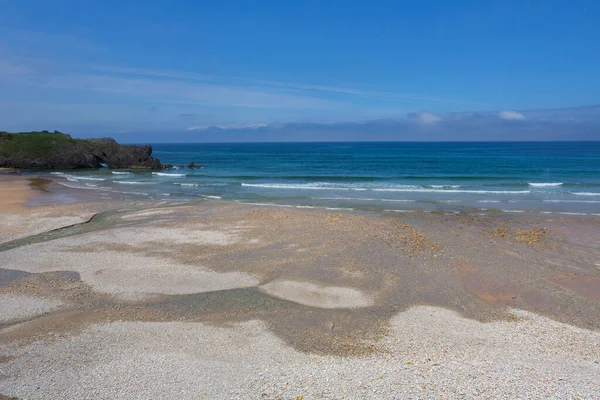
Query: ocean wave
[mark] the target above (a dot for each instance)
(86, 187)
(57, 173)
(212, 197)
(267, 204)
(571, 201)
(586, 194)
(317, 186)
(569, 213)
(397, 188)
(189, 184)
(307, 186)
(74, 178)
(167, 174)
(364, 199)
(120, 173)
(419, 190)
(442, 186)
(134, 183)
(545, 184)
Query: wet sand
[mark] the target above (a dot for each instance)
(221, 300)
(14, 192)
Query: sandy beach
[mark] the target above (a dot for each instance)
(218, 300)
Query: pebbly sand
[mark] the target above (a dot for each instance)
(219, 300)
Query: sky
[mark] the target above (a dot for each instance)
(193, 71)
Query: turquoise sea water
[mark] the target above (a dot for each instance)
(396, 177)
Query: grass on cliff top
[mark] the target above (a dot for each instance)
(34, 144)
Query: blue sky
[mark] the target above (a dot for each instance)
(163, 70)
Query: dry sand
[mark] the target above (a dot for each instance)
(214, 300)
(429, 353)
(18, 307)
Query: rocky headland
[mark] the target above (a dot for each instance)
(56, 150)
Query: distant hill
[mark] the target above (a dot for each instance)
(56, 150)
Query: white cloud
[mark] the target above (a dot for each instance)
(197, 127)
(511, 115)
(425, 118)
(266, 84)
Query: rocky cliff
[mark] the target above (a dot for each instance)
(56, 150)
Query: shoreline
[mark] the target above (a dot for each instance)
(69, 194)
(295, 293)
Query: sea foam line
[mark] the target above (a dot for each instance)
(292, 186)
(134, 183)
(545, 184)
(571, 201)
(404, 188)
(167, 174)
(586, 194)
(454, 191)
(364, 199)
(74, 178)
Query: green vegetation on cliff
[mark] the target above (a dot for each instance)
(33, 144)
(56, 150)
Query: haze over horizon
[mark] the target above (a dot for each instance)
(316, 71)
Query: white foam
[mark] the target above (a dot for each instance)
(586, 194)
(167, 174)
(188, 184)
(213, 197)
(545, 184)
(307, 186)
(572, 201)
(454, 191)
(73, 178)
(364, 199)
(267, 204)
(443, 186)
(569, 213)
(87, 178)
(134, 183)
(56, 173)
(399, 188)
(513, 211)
(88, 187)
(120, 173)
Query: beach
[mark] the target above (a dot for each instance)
(215, 299)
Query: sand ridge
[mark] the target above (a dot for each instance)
(314, 295)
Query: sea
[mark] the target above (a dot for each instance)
(398, 177)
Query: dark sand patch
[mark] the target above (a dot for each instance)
(586, 286)
(9, 275)
(479, 284)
